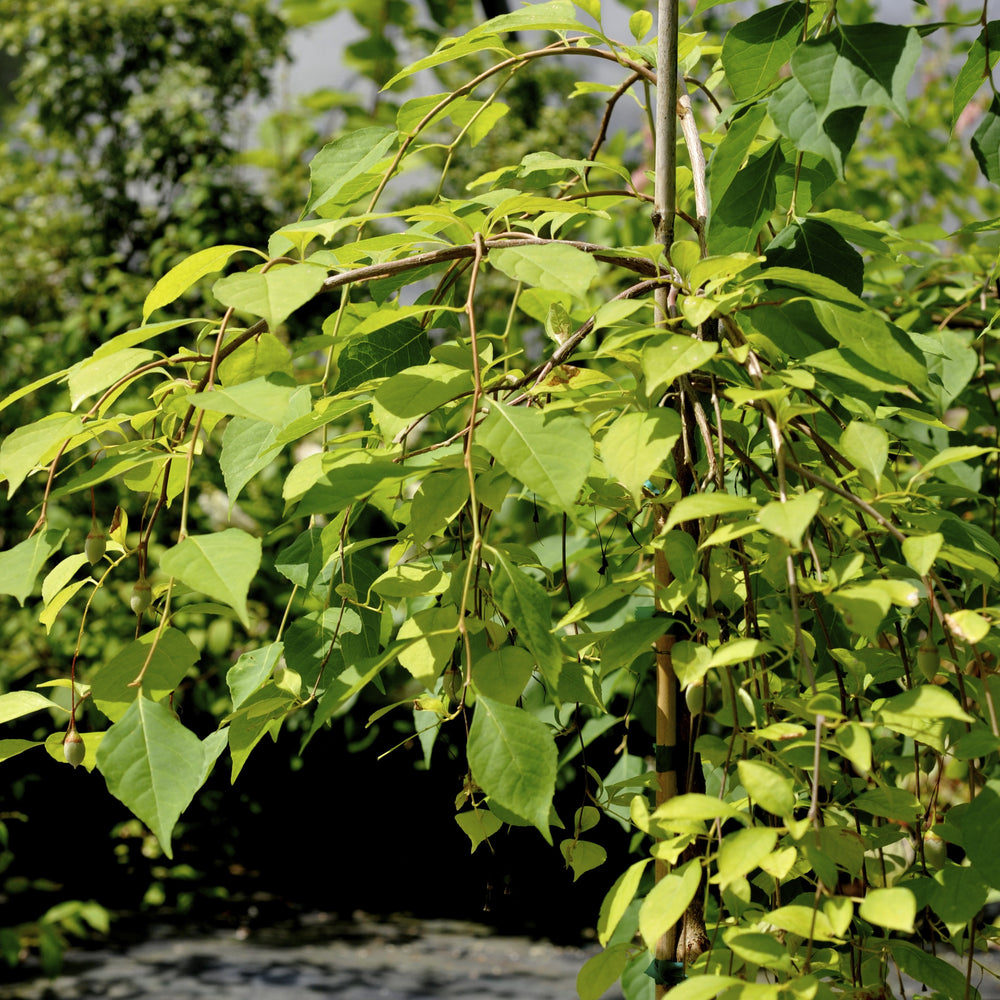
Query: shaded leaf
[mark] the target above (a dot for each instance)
(637, 444)
(983, 55)
(20, 565)
(341, 161)
(815, 246)
(513, 760)
(172, 657)
(382, 353)
(986, 142)
(152, 764)
(754, 50)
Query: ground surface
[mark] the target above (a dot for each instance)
(360, 961)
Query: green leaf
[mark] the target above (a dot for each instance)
(700, 505)
(436, 632)
(755, 49)
(797, 118)
(667, 901)
(187, 273)
(557, 267)
(891, 803)
(551, 457)
(986, 142)
(437, 503)
(640, 24)
(528, 607)
(171, 659)
(264, 399)
(273, 295)
(742, 851)
(747, 202)
(11, 748)
(948, 456)
(803, 921)
(16, 704)
(258, 714)
(221, 565)
(858, 66)
(417, 390)
(582, 856)
(251, 670)
(601, 971)
(732, 151)
(503, 673)
(669, 357)
(694, 806)
(811, 245)
(341, 161)
(261, 357)
(708, 986)
(863, 607)
(382, 353)
(553, 15)
(978, 823)
(866, 446)
(789, 519)
(98, 373)
(152, 764)
(448, 50)
(758, 948)
(869, 336)
(248, 444)
(34, 445)
(892, 909)
(959, 895)
(628, 641)
(637, 444)
(513, 760)
(478, 825)
(933, 972)
(982, 58)
(20, 565)
(618, 899)
(770, 788)
(349, 476)
(967, 625)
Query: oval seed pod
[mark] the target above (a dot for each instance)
(935, 850)
(73, 749)
(141, 596)
(928, 659)
(694, 695)
(97, 542)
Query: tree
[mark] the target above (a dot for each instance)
(698, 510)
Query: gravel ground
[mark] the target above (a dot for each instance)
(383, 961)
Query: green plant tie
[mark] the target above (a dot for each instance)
(664, 757)
(665, 973)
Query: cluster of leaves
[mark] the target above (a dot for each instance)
(546, 479)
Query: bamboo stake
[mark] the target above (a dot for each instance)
(664, 201)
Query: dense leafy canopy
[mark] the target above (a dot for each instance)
(727, 505)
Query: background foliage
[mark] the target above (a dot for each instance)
(464, 450)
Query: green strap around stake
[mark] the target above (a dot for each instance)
(663, 757)
(666, 973)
